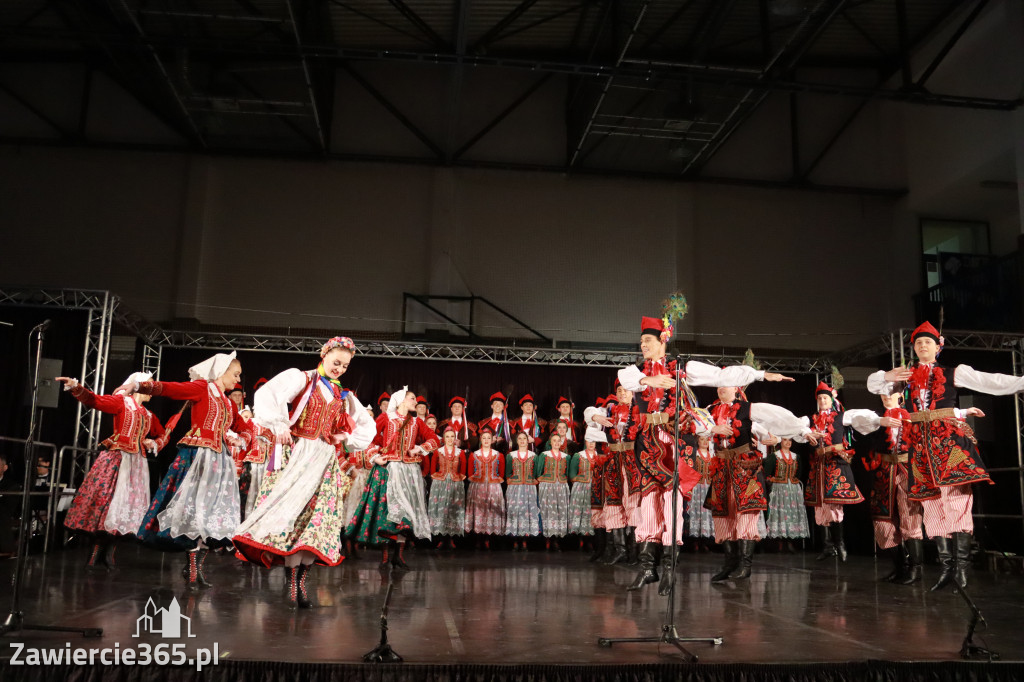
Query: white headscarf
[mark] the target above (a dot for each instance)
(397, 398)
(213, 368)
(137, 378)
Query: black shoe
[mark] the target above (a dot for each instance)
(397, 558)
(898, 557)
(746, 558)
(600, 543)
(732, 561)
(648, 572)
(616, 548)
(947, 561)
(828, 549)
(632, 548)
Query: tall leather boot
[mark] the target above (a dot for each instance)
(109, 551)
(898, 556)
(746, 558)
(616, 548)
(191, 570)
(732, 561)
(915, 557)
(97, 548)
(828, 549)
(947, 561)
(668, 575)
(632, 547)
(201, 568)
(648, 572)
(385, 554)
(600, 543)
(302, 596)
(962, 557)
(292, 573)
(837, 539)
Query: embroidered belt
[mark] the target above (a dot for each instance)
(735, 452)
(657, 418)
(784, 480)
(831, 448)
(894, 457)
(933, 415)
(624, 446)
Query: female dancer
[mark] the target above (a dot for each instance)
(552, 471)
(485, 505)
(297, 520)
(699, 522)
(197, 505)
(581, 469)
(114, 496)
(393, 503)
(447, 505)
(787, 514)
(523, 518)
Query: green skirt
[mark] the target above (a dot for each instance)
(369, 524)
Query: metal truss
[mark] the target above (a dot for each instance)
(100, 307)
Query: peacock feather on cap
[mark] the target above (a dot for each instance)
(673, 309)
(749, 360)
(837, 379)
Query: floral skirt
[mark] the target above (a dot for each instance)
(447, 507)
(88, 510)
(554, 509)
(523, 516)
(196, 501)
(698, 519)
(579, 509)
(301, 510)
(485, 509)
(391, 505)
(355, 494)
(787, 514)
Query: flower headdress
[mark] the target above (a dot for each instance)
(337, 342)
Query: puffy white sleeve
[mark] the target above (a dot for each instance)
(630, 378)
(778, 421)
(270, 404)
(878, 385)
(365, 429)
(967, 377)
(705, 374)
(589, 414)
(862, 421)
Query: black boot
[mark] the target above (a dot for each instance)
(648, 572)
(108, 555)
(302, 597)
(898, 556)
(837, 539)
(600, 543)
(397, 558)
(915, 555)
(616, 548)
(828, 550)
(201, 568)
(668, 574)
(947, 561)
(632, 547)
(962, 558)
(746, 558)
(389, 547)
(732, 561)
(94, 555)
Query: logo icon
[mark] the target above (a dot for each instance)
(166, 622)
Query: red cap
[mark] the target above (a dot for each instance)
(925, 329)
(562, 399)
(527, 399)
(236, 387)
(259, 382)
(498, 396)
(651, 325)
(616, 384)
(420, 400)
(383, 396)
(823, 388)
(457, 399)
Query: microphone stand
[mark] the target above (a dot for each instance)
(669, 633)
(15, 620)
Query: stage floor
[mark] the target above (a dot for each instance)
(525, 608)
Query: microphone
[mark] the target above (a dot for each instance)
(42, 326)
